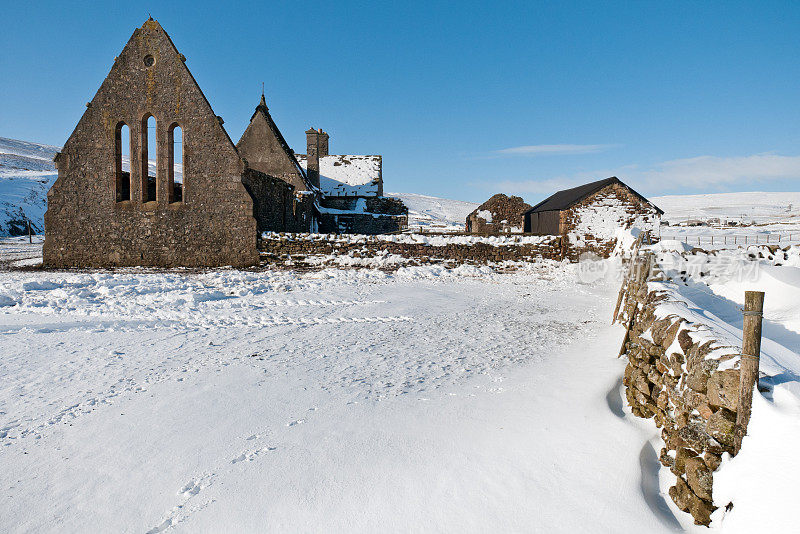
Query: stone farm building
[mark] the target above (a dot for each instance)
(499, 214)
(150, 177)
(595, 210)
(352, 190)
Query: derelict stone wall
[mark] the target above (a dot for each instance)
(361, 223)
(85, 225)
(507, 215)
(280, 247)
(263, 151)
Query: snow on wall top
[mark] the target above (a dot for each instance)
(347, 175)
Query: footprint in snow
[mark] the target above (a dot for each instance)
(250, 456)
(297, 422)
(192, 488)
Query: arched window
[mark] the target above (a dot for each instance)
(149, 158)
(122, 161)
(175, 164)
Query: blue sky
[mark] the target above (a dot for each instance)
(462, 99)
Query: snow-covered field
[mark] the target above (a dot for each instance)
(769, 218)
(423, 400)
(759, 207)
(428, 399)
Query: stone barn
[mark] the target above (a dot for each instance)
(499, 214)
(596, 209)
(183, 196)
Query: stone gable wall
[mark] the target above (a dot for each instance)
(263, 152)
(85, 226)
(633, 210)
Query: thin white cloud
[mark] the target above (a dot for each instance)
(712, 171)
(542, 150)
(698, 174)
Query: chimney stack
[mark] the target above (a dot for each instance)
(323, 143)
(316, 146)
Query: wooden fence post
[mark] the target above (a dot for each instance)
(748, 370)
(641, 275)
(30, 237)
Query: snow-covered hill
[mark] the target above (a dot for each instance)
(26, 174)
(433, 212)
(758, 207)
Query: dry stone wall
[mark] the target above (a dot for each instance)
(687, 381)
(278, 248)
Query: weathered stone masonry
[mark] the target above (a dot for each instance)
(689, 385)
(278, 248)
(85, 223)
(632, 211)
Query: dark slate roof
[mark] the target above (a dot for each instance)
(264, 110)
(568, 197)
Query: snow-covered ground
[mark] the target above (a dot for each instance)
(341, 400)
(356, 400)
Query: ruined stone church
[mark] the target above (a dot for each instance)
(185, 195)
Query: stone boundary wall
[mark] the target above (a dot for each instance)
(687, 381)
(278, 248)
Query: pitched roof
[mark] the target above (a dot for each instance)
(568, 197)
(348, 175)
(264, 111)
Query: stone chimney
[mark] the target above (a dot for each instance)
(316, 146)
(323, 143)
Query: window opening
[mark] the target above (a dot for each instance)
(122, 162)
(175, 164)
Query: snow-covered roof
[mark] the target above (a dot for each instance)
(347, 175)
